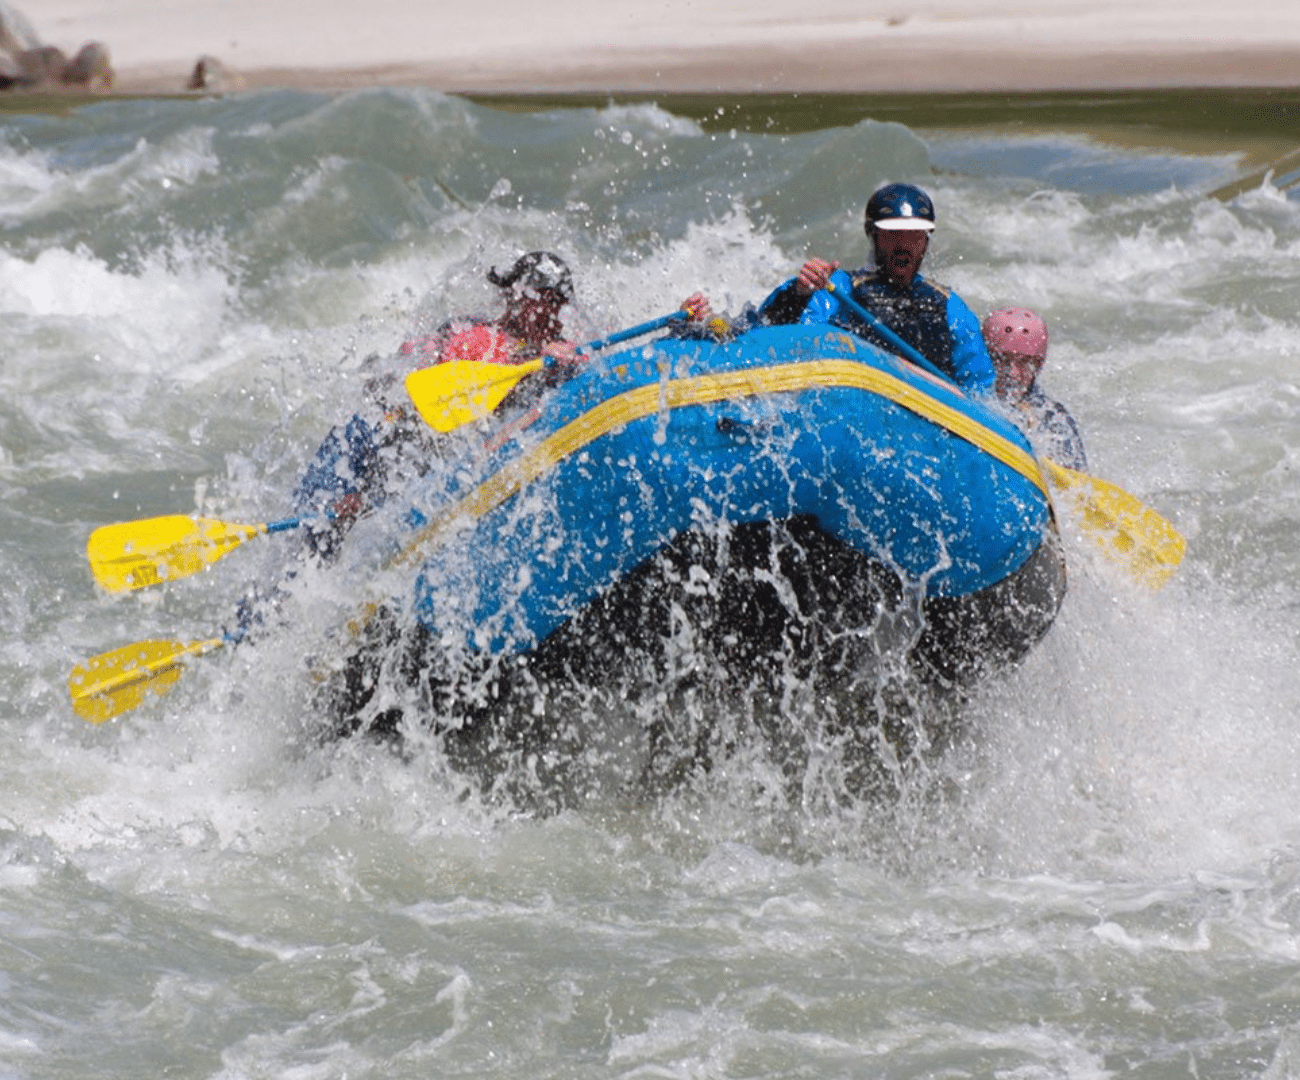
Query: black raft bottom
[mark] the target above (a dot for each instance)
(758, 615)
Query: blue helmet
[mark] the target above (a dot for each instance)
(899, 206)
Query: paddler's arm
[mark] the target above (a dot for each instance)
(1059, 429)
(824, 306)
(700, 324)
(563, 362)
(561, 352)
(345, 477)
(786, 303)
(972, 367)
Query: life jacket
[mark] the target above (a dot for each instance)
(480, 342)
(918, 314)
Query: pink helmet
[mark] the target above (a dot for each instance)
(1017, 331)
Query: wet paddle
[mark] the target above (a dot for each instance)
(1121, 525)
(136, 554)
(115, 682)
(1282, 173)
(1128, 530)
(460, 391)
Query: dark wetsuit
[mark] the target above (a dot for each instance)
(383, 446)
(1051, 429)
(932, 319)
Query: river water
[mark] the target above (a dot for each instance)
(1101, 879)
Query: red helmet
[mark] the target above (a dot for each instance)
(1018, 332)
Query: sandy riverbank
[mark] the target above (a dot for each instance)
(679, 45)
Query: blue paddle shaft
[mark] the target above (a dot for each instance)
(283, 526)
(634, 331)
(900, 346)
(296, 522)
(624, 335)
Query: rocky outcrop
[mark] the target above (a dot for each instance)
(27, 64)
(91, 67)
(16, 33)
(212, 76)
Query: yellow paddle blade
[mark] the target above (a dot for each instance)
(140, 553)
(1123, 526)
(460, 391)
(113, 682)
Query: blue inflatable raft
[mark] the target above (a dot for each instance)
(793, 501)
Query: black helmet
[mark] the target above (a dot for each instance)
(899, 206)
(536, 272)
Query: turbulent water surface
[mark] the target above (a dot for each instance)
(1101, 877)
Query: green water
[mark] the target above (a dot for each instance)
(1262, 126)
(1266, 121)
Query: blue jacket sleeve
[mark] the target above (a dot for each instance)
(970, 356)
(1073, 455)
(824, 307)
(1064, 443)
(345, 463)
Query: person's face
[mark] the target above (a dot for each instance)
(899, 253)
(1015, 374)
(535, 316)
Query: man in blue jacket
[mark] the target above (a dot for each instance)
(931, 318)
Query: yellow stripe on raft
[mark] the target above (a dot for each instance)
(648, 400)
